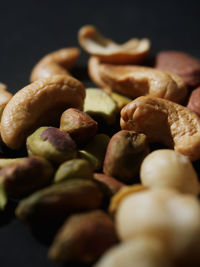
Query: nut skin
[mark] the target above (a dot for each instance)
(134, 51)
(94, 162)
(51, 143)
(182, 64)
(57, 62)
(125, 153)
(165, 122)
(194, 101)
(83, 238)
(78, 124)
(23, 177)
(38, 104)
(73, 169)
(56, 202)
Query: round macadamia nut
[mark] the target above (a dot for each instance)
(167, 168)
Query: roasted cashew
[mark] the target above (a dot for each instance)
(57, 62)
(164, 122)
(133, 51)
(5, 96)
(40, 103)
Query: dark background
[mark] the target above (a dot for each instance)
(30, 29)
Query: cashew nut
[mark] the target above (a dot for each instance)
(57, 62)
(5, 96)
(133, 51)
(164, 122)
(40, 103)
(167, 168)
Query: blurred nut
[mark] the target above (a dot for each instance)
(56, 202)
(4, 162)
(140, 252)
(124, 155)
(120, 100)
(5, 96)
(194, 101)
(122, 193)
(166, 168)
(83, 238)
(93, 70)
(40, 103)
(51, 143)
(78, 124)
(57, 62)
(3, 199)
(23, 177)
(93, 160)
(71, 169)
(99, 105)
(182, 64)
(135, 81)
(164, 122)
(133, 51)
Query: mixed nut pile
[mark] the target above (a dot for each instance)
(93, 179)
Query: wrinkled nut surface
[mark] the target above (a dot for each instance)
(135, 81)
(166, 215)
(142, 251)
(26, 176)
(122, 193)
(167, 168)
(73, 169)
(38, 104)
(51, 143)
(164, 122)
(56, 202)
(133, 51)
(83, 238)
(78, 124)
(57, 62)
(194, 101)
(100, 106)
(124, 155)
(182, 64)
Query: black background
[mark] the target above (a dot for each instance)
(30, 29)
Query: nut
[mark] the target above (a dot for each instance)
(38, 104)
(25, 176)
(56, 202)
(71, 169)
(57, 62)
(166, 215)
(194, 101)
(135, 81)
(83, 238)
(133, 51)
(142, 251)
(4, 162)
(100, 106)
(78, 124)
(120, 100)
(94, 162)
(124, 155)
(51, 143)
(113, 184)
(182, 64)
(164, 122)
(170, 169)
(5, 96)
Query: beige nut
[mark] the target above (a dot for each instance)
(164, 122)
(5, 96)
(57, 62)
(165, 168)
(135, 81)
(40, 103)
(133, 51)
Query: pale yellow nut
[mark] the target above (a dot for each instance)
(142, 251)
(165, 214)
(167, 168)
(164, 122)
(93, 70)
(57, 62)
(135, 81)
(40, 103)
(133, 51)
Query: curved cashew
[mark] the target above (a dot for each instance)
(40, 103)
(57, 62)
(164, 122)
(133, 51)
(5, 96)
